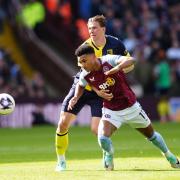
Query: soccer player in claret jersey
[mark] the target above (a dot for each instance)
(105, 75)
(102, 44)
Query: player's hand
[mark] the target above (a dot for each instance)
(105, 94)
(113, 70)
(72, 103)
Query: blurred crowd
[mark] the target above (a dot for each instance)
(150, 30)
(13, 81)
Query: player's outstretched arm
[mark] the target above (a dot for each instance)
(78, 93)
(123, 63)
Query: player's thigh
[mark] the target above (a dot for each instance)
(95, 102)
(95, 122)
(112, 116)
(96, 112)
(140, 120)
(109, 122)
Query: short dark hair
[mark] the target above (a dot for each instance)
(84, 49)
(98, 18)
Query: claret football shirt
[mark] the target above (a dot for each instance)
(123, 96)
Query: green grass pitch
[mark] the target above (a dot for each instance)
(30, 154)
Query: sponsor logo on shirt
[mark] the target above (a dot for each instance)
(109, 82)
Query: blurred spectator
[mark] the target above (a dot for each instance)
(143, 72)
(52, 6)
(173, 52)
(65, 11)
(130, 41)
(82, 29)
(163, 84)
(163, 109)
(38, 86)
(175, 90)
(162, 73)
(32, 14)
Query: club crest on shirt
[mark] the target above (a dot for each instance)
(92, 79)
(107, 116)
(109, 51)
(125, 52)
(105, 68)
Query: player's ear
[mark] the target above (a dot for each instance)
(78, 63)
(104, 29)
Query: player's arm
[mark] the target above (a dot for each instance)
(103, 93)
(122, 63)
(78, 93)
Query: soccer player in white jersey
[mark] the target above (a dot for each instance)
(105, 74)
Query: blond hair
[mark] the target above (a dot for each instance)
(98, 18)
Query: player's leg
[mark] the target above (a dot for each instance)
(105, 131)
(66, 118)
(107, 127)
(96, 112)
(61, 140)
(145, 127)
(94, 124)
(159, 142)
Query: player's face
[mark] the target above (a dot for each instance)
(95, 30)
(87, 62)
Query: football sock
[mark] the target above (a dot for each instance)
(106, 144)
(61, 143)
(159, 142)
(61, 158)
(169, 154)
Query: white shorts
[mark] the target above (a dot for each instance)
(133, 116)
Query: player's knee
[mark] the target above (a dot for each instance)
(94, 125)
(63, 124)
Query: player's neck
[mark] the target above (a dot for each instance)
(97, 65)
(100, 42)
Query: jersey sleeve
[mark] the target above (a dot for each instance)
(113, 60)
(82, 81)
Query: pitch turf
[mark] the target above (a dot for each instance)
(29, 154)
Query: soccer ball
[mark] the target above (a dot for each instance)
(7, 104)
